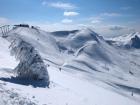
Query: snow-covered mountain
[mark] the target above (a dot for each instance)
(84, 70)
(131, 40)
(77, 39)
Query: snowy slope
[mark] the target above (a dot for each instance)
(93, 72)
(41, 40)
(6, 60)
(95, 58)
(61, 92)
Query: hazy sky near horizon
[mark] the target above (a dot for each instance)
(107, 17)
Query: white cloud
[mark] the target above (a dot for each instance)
(67, 21)
(96, 19)
(70, 13)
(62, 5)
(111, 14)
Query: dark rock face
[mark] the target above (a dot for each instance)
(135, 42)
(63, 33)
(110, 42)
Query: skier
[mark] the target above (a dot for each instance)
(60, 69)
(132, 93)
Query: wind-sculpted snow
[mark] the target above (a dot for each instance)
(31, 65)
(76, 40)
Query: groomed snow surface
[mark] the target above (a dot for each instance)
(87, 77)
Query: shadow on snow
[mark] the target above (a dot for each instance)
(21, 81)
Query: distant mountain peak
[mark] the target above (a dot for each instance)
(131, 40)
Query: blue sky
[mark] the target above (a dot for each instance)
(105, 16)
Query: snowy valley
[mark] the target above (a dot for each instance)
(84, 68)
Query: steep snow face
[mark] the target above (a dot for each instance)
(76, 40)
(127, 41)
(95, 51)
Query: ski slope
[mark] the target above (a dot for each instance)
(92, 71)
(65, 89)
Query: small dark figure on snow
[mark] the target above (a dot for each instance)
(132, 93)
(130, 72)
(60, 69)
